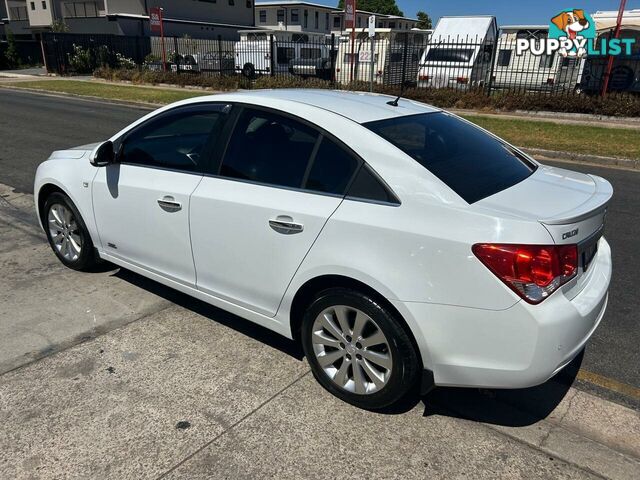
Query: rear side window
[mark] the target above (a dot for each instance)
(269, 148)
(332, 169)
(367, 186)
(471, 162)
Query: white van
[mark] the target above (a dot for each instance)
(531, 72)
(254, 51)
(459, 53)
(390, 56)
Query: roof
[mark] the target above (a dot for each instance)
(475, 26)
(379, 15)
(361, 107)
(524, 27)
(289, 3)
(608, 19)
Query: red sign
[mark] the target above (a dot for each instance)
(349, 14)
(155, 19)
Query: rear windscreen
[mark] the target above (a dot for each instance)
(457, 55)
(471, 162)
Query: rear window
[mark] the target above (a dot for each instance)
(454, 55)
(471, 162)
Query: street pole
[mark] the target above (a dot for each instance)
(607, 73)
(372, 34)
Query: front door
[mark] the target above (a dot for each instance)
(141, 203)
(254, 220)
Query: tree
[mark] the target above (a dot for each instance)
(11, 54)
(58, 26)
(385, 7)
(424, 21)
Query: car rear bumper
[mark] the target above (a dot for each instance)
(519, 347)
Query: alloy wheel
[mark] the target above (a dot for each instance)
(351, 349)
(64, 232)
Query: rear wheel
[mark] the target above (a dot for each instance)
(67, 233)
(357, 350)
(249, 71)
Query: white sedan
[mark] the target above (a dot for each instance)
(400, 244)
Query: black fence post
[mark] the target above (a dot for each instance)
(332, 58)
(494, 49)
(404, 63)
(272, 60)
(220, 64)
(176, 55)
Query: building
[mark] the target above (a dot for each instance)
(197, 18)
(312, 17)
(382, 21)
(294, 16)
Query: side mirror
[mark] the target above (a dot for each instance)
(103, 155)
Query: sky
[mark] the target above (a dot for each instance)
(508, 12)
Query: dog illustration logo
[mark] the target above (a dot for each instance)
(574, 26)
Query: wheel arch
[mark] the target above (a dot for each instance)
(43, 193)
(313, 286)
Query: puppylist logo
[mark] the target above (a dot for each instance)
(572, 33)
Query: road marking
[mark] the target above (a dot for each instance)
(609, 384)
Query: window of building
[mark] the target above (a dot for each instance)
(295, 15)
(504, 58)
(44, 5)
(392, 24)
(263, 16)
(249, 4)
(317, 20)
(306, 19)
(337, 22)
(232, 2)
(33, 5)
(326, 21)
(359, 21)
(280, 15)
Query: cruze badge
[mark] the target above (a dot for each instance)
(570, 234)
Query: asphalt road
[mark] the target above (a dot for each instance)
(33, 125)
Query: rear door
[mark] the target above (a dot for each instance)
(255, 216)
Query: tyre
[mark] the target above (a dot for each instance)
(67, 233)
(249, 71)
(357, 350)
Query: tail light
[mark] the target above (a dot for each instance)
(532, 271)
(462, 80)
(424, 78)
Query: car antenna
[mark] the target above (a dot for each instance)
(394, 103)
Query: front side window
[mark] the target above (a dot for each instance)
(468, 160)
(176, 141)
(269, 148)
(310, 53)
(285, 55)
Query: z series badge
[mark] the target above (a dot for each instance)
(570, 234)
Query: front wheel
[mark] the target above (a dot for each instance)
(358, 350)
(67, 233)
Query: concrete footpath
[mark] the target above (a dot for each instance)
(108, 375)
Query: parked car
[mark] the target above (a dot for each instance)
(261, 52)
(459, 53)
(397, 242)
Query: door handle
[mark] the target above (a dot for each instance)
(169, 204)
(285, 225)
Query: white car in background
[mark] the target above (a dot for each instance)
(397, 242)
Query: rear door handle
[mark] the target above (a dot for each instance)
(285, 225)
(169, 204)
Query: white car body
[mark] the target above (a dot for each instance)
(469, 327)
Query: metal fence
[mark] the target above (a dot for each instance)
(391, 58)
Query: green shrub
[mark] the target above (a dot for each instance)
(612, 105)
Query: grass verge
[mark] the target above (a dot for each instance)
(612, 142)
